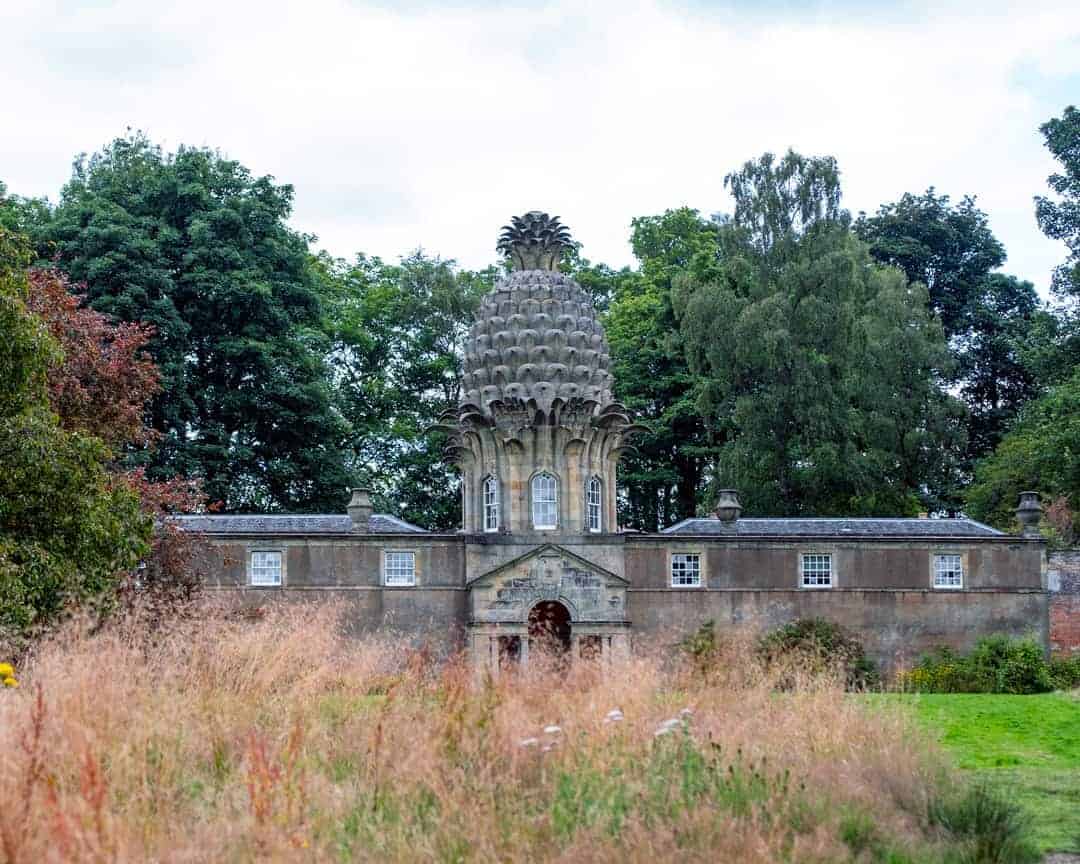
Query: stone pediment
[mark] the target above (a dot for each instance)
(548, 573)
(547, 551)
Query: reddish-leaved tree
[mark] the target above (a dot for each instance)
(101, 387)
(106, 378)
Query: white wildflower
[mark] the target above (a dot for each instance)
(552, 730)
(529, 742)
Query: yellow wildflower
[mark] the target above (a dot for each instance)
(7, 670)
(10, 682)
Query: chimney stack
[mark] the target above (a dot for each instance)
(728, 507)
(1029, 514)
(360, 510)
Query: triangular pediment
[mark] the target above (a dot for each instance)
(546, 550)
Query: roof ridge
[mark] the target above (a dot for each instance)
(399, 521)
(838, 519)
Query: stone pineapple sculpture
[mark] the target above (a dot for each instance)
(534, 241)
(536, 342)
(536, 387)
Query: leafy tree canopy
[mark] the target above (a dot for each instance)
(195, 246)
(397, 335)
(947, 247)
(106, 378)
(1060, 218)
(666, 472)
(989, 318)
(67, 531)
(1040, 452)
(819, 370)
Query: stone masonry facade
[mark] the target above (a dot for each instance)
(540, 560)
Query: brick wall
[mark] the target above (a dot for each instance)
(1063, 585)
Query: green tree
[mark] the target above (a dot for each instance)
(665, 474)
(988, 318)
(398, 330)
(194, 245)
(947, 247)
(819, 369)
(1041, 451)
(1060, 219)
(995, 375)
(67, 529)
(21, 215)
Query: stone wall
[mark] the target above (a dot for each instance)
(882, 588)
(882, 591)
(1063, 586)
(896, 627)
(348, 571)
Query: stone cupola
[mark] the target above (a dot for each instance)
(537, 433)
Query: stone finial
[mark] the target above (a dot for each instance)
(534, 241)
(360, 510)
(1029, 513)
(537, 344)
(728, 507)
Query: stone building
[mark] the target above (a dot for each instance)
(540, 558)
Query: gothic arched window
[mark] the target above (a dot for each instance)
(491, 504)
(545, 501)
(593, 498)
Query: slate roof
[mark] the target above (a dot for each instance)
(835, 527)
(381, 523)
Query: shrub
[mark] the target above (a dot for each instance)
(1011, 665)
(818, 645)
(941, 671)
(992, 828)
(1065, 672)
(998, 664)
(701, 645)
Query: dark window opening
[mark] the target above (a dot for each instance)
(590, 647)
(509, 651)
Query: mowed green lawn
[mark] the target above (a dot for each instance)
(1029, 746)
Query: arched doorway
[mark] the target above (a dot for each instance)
(549, 628)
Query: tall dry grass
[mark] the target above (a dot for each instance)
(231, 739)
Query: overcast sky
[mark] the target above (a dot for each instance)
(430, 124)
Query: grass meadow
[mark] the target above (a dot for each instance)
(279, 739)
(1026, 746)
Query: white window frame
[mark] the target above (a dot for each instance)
(258, 567)
(816, 572)
(395, 575)
(489, 492)
(938, 570)
(688, 566)
(594, 500)
(550, 504)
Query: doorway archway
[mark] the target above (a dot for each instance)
(549, 628)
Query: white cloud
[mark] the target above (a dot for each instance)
(432, 124)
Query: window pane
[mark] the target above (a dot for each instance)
(491, 504)
(948, 571)
(400, 568)
(594, 504)
(265, 568)
(544, 501)
(817, 571)
(685, 571)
